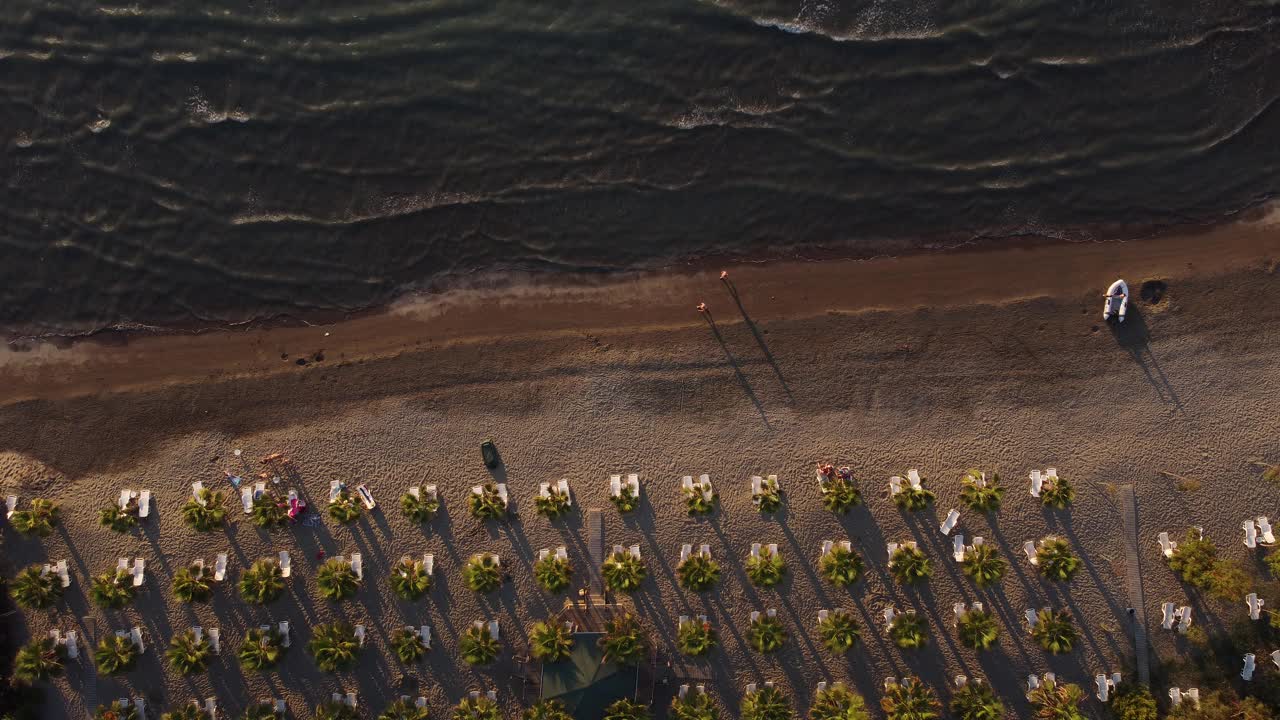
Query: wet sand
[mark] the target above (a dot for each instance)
(992, 359)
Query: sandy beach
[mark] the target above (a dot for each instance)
(996, 359)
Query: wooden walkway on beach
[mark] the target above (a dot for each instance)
(595, 546)
(1129, 511)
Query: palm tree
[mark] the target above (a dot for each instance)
(38, 520)
(981, 493)
(404, 710)
(909, 631)
(910, 699)
(482, 573)
(207, 512)
(419, 509)
(623, 572)
(344, 507)
(336, 710)
(408, 645)
(696, 638)
(840, 494)
(269, 510)
(481, 708)
(546, 710)
(839, 631)
(409, 579)
(261, 711)
(118, 520)
(626, 500)
(975, 701)
(695, 705)
(334, 646)
(38, 660)
(909, 565)
(913, 498)
(1055, 631)
(1057, 701)
(766, 569)
(978, 629)
(34, 588)
(262, 582)
(187, 654)
(553, 504)
(983, 564)
(698, 573)
(336, 580)
(696, 501)
(837, 702)
(191, 585)
(626, 710)
(1055, 560)
(766, 703)
(550, 642)
(840, 566)
(624, 641)
(487, 504)
(190, 711)
(114, 654)
(478, 646)
(112, 590)
(1057, 493)
(553, 574)
(769, 499)
(766, 634)
(116, 711)
(262, 649)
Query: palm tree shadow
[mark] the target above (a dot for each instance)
(755, 332)
(1135, 336)
(733, 362)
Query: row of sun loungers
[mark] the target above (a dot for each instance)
(686, 551)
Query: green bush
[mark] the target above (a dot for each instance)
(112, 590)
(984, 565)
(487, 504)
(769, 499)
(1273, 563)
(766, 703)
(975, 701)
(978, 629)
(38, 520)
(336, 710)
(404, 710)
(913, 499)
(1055, 631)
(840, 566)
(978, 496)
(553, 504)
(695, 705)
(1134, 702)
(552, 573)
(188, 655)
(337, 580)
(766, 634)
(698, 573)
(1057, 701)
(33, 588)
(696, 502)
(419, 509)
(766, 569)
(626, 501)
(1057, 493)
(409, 579)
(117, 520)
(482, 573)
(909, 631)
(837, 702)
(477, 646)
(115, 711)
(262, 582)
(624, 641)
(696, 638)
(334, 646)
(261, 649)
(550, 641)
(189, 711)
(39, 660)
(263, 710)
(840, 495)
(546, 710)
(626, 710)
(839, 631)
(269, 510)
(910, 699)
(210, 515)
(909, 565)
(1055, 559)
(114, 654)
(481, 708)
(345, 508)
(623, 572)
(190, 584)
(408, 645)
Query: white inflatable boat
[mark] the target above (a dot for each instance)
(1117, 301)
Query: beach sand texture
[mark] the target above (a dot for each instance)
(1189, 385)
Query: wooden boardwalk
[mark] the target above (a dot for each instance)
(1129, 511)
(595, 546)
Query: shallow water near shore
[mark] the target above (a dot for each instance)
(179, 162)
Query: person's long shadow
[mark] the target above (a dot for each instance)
(733, 362)
(1135, 336)
(755, 331)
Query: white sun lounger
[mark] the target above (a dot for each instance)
(751, 688)
(771, 612)
(197, 489)
(198, 632)
(1032, 618)
(215, 640)
(1167, 546)
(220, 567)
(63, 574)
(958, 610)
(773, 550)
(827, 546)
(1104, 687)
(1264, 530)
(494, 630)
(892, 548)
(11, 505)
(755, 615)
(635, 551)
(680, 621)
(953, 516)
(1247, 673)
(913, 478)
(890, 682)
(360, 635)
(139, 571)
(424, 634)
(125, 496)
(683, 692)
(1255, 604)
(211, 707)
(704, 481)
(685, 551)
(1250, 534)
(1029, 548)
(259, 489)
(544, 489)
(415, 491)
(286, 568)
(122, 565)
(502, 494)
(563, 487)
(73, 647)
(704, 550)
(428, 563)
(543, 554)
(335, 489)
(757, 487)
(822, 687)
(246, 500)
(823, 615)
(285, 640)
(1184, 618)
(633, 482)
(357, 565)
(957, 548)
(135, 636)
(1037, 482)
(1033, 683)
(615, 486)
(144, 504)
(895, 485)
(1275, 655)
(889, 616)
(619, 550)
(1168, 615)
(686, 484)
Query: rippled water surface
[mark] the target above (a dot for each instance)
(171, 161)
